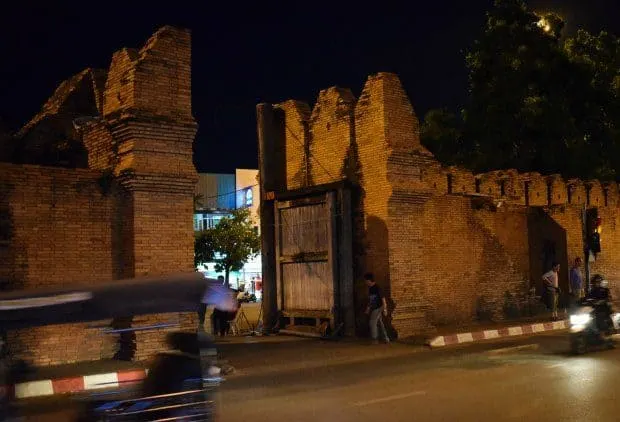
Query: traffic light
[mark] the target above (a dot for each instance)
(593, 230)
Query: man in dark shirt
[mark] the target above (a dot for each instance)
(377, 306)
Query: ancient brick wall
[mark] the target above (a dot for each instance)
(331, 131)
(129, 214)
(447, 245)
(296, 115)
(60, 224)
(60, 233)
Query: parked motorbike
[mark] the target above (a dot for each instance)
(585, 332)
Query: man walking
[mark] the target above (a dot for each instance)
(377, 306)
(553, 290)
(576, 281)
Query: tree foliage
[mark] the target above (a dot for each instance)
(441, 133)
(535, 102)
(230, 244)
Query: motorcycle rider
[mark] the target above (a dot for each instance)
(599, 294)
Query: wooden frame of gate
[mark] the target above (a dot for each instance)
(314, 268)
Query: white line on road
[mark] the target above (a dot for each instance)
(533, 346)
(388, 398)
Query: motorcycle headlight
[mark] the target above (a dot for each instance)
(580, 319)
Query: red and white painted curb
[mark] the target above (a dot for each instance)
(50, 387)
(519, 330)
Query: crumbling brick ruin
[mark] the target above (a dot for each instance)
(449, 245)
(99, 186)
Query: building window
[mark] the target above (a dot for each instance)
(249, 197)
(206, 221)
(197, 222)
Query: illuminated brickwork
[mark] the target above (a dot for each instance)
(447, 245)
(129, 214)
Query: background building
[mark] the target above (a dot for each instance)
(219, 194)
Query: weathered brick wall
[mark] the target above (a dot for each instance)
(152, 124)
(470, 254)
(98, 141)
(446, 244)
(61, 224)
(157, 245)
(331, 131)
(130, 214)
(296, 115)
(60, 234)
(372, 149)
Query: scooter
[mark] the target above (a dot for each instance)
(584, 332)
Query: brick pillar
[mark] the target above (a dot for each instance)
(147, 105)
(272, 162)
(391, 157)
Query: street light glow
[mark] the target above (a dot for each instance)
(544, 25)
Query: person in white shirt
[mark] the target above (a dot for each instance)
(550, 280)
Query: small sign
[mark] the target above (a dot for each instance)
(269, 196)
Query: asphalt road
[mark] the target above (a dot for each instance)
(466, 384)
(540, 383)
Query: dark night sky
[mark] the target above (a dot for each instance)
(243, 55)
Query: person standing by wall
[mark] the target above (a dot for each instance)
(550, 280)
(576, 281)
(377, 307)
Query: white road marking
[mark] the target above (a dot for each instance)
(388, 398)
(557, 365)
(533, 346)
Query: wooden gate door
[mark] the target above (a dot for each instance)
(308, 264)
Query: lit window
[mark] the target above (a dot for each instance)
(248, 197)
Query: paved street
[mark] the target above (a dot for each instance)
(459, 384)
(465, 384)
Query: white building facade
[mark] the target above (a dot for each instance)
(218, 195)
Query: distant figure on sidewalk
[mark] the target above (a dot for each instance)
(377, 306)
(220, 317)
(550, 280)
(576, 281)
